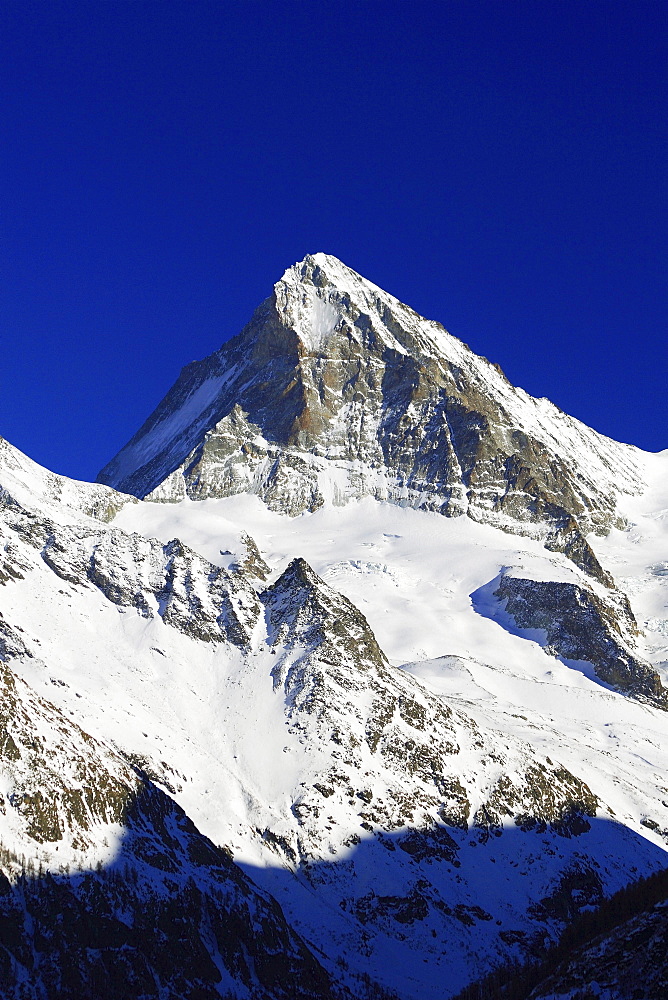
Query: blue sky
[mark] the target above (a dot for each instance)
(500, 166)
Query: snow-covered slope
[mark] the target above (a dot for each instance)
(107, 888)
(417, 817)
(60, 498)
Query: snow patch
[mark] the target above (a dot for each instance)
(320, 323)
(134, 456)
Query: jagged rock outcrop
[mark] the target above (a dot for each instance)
(170, 581)
(304, 613)
(335, 390)
(251, 563)
(579, 625)
(329, 665)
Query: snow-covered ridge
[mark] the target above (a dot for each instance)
(63, 499)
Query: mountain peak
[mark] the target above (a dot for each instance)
(316, 296)
(335, 390)
(325, 267)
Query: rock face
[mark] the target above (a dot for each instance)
(335, 391)
(169, 581)
(580, 625)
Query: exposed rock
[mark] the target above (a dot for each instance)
(547, 796)
(579, 625)
(303, 610)
(335, 390)
(171, 581)
(252, 565)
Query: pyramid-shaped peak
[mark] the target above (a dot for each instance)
(323, 270)
(335, 390)
(320, 295)
(323, 261)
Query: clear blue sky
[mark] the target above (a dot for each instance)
(499, 165)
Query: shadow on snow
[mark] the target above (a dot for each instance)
(173, 917)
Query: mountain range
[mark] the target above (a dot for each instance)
(346, 679)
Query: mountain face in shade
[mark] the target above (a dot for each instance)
(335, 391)
(308, 738)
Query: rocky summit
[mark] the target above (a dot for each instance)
(347, 679)
(336, 391)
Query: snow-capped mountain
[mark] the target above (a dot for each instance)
(336, 391)
(308, 734)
